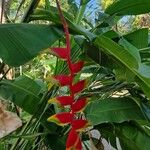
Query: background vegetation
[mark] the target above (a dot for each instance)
(111, 36)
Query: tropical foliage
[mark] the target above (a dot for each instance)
(116, 70)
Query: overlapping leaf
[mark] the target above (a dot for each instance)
(22, 91)
(20, 43)
(129, 7)
(113, 110)
(127, 59)
(130, 135)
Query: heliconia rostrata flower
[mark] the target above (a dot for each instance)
(76, 105)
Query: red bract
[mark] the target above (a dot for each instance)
(63, 80)
(61, 118)
(60, 52)
(79, 86)
(79, 105)
(80, 124)
(79, 145)
(72, 140)
(76, 67)
(62, 100)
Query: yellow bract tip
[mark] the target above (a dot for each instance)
(50, 86)
(52, 100)
(53, 119)
(51, 81)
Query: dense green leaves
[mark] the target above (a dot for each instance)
(119, 58)
(113, 110)
(23, 91)
(20, 43)
(127, 59)
(129, 7)
(117, 51)
(130, 135)
(27, 94)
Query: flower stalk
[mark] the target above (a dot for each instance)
(76, 105)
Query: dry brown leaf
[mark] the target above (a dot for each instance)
(9, 122)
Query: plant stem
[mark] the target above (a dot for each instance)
(67, 35)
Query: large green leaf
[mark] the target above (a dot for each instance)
(138, 38)
(23, 91)
(131, 49)
(129, 7)
(122, 73)
(127, 59)
(20, 43)
(131, 41)
(112, 48)
(113, 110)
(130, 135)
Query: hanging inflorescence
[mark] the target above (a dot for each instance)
(76, 106)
